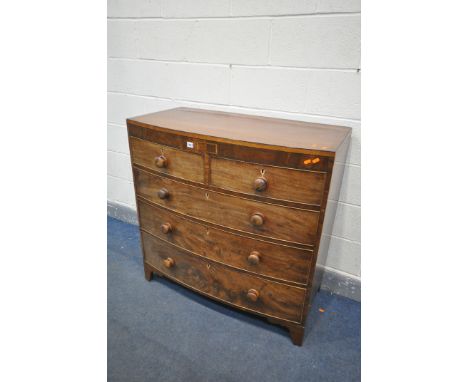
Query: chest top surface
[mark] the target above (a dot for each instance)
(244, 128)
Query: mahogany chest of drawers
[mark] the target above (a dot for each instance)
(234, 206)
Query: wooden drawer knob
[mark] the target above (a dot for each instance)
(163, 193)
(166, 228)
(254, 258)
(169, 262)
(161, 161)
(257, 219)
(260, 184)
(252, 295)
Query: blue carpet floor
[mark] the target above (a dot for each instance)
(159, 331)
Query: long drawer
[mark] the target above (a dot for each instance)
(257, 256)
(283, 223)
(234, 287)
(273, 182)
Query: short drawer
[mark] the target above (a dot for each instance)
(274, 260)
(274, 182)
(269, 220)
(228, 285)
(178, 163)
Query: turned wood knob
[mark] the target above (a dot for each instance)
(257, 219)
(163, 193)
(254, 258)
(161, 161)
(252, 295)
(166, 228)
(260, 184)
(169, 262)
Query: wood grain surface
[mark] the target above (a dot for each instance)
(281, 262)
(245, 128)
(286, 184)
(282, 223)
(231, 286)
(233, 206)
(180, 163)
(249, 152)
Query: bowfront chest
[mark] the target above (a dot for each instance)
(238, 208)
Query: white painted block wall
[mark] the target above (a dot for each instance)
(280, 58)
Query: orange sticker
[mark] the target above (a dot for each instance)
(313, 161)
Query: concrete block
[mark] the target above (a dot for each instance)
(354, 152)
(348, 222)
(230, 41)
(195, 82)
(334, 93)
(120, 190)
(316, 42)
(195, 8)
(323, 92)
(273, 7)
(117, 139)
(276, 88)
(134, 8)
(123, 106)
(330, 6)
(350, 186)
(288, 7)
(121, 211)
(121, 39)
(212, 41)
(164, 39)
(118, 165)
(344, 255)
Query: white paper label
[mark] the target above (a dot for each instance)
(190, 145)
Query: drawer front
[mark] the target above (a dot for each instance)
(178, 163)
(274, 260)
(278, 222)
(273, 299)
(273, 182)
(244, 153)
